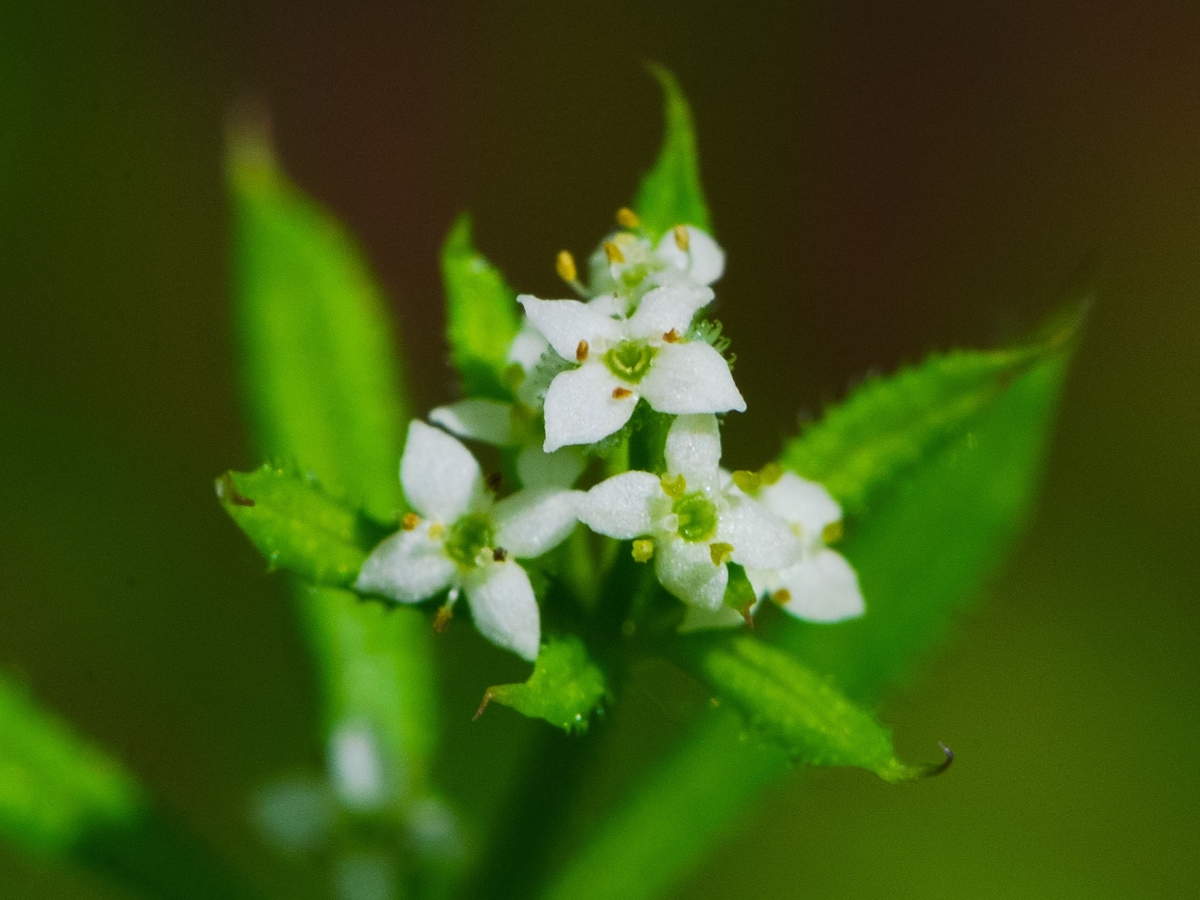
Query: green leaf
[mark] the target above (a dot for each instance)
(324, 390)
(670, 194)
(786, 703)
(297, 526)
(566, 687)
(62, 798)
(921, 555)
(890, 426)
(481, 312)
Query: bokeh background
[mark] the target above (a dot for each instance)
(887, 179)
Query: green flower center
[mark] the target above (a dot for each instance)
(467, 537)
(697, 517)
(630, 360)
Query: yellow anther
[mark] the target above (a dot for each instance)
(671, 337)
(581, 351)
(770, 473)
(442, 620)
(613, 252)
(782, 596)
(620, 393)
(748, 481)
(832, 533)
(410, 521)
(564, 264)
(436, 530)
(643, 550)
(683, 240)
(627, 218)
(720, 552)
(674, 487)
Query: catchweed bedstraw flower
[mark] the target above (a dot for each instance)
(690, 520)
(459, 538)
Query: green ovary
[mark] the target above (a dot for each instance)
(467, 537)
(697, 517)
(630, 360)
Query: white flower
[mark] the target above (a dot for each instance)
(458, 538)
(622, 359)
(684, 254)
(695, 519)
(821, 586)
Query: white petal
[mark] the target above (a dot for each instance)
(407, 567)
(824, 588)
(489, 421)
(667, 309)
(504, 608)
(564, 323)
(441, 478)
(690, 378)
(687, 571)
(527, 347)
(704, 260)
(560, 469)
(693, 450)
(699, 618)
(760, 539)
(801, 502)
(620, 506)
(532, 522)
(580, 407)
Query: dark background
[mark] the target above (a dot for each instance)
(887, 179)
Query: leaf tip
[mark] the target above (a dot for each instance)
(250, 146)
(227, 492)
(488, 696)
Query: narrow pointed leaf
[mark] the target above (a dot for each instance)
(481, 312)
(63, 799)
(920, 555)
(325, 396)
(785, 703)
(297, 526)
(566, 687)
(671, 194)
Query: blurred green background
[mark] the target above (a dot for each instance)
(886, 178)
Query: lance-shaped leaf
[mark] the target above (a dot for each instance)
(481, 314)
(789, 705)
(566, 687)
(324, 390)
(64, 799)
(670, 194)
(920, 555)
(299, 527)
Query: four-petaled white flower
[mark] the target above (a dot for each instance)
(459, 538)
(623, 359)
(695, 518)
(684, 254)
(821, 586)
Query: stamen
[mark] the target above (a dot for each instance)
(782, 596)
(683, 240)
(410, 521)
(436, 530)
(581, 351)
(499, 555)
(613, 252)
(674, 487)
(672, 337)
(720, 553)
(643, 550)
(832, 533)
(770, 473)
(564, 264)
(748, 481)
(627, 218)
(442, 620)
(620, 393)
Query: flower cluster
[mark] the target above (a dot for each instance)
(636, 338)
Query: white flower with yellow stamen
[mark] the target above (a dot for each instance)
(627, 263)
(691, 520)
(457, 537)
(623, 359)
